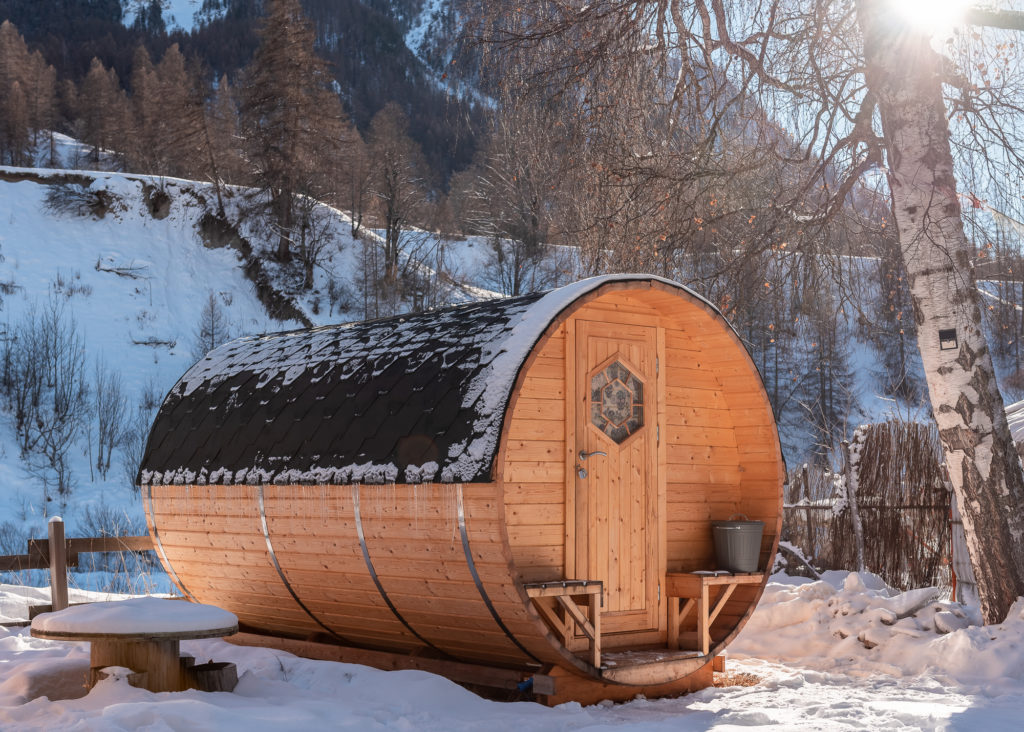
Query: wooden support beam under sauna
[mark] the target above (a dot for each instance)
(512, 484)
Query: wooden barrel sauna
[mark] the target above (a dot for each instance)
(523, 484)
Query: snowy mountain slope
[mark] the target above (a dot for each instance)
(135, 272)
(134, 285)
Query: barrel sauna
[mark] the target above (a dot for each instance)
(511, 489)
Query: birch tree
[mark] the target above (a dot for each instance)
(836, 93)
(905, 76)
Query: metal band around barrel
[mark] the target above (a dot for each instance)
(280, 571)
(373, 572)
(479, 582)
(159, 544)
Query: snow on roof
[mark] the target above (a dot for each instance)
(414, 398)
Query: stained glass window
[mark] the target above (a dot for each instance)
(616, 402)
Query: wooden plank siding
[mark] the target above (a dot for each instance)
(412, 536)
(386, 566)
(213, 540)
(718, 453)
(534, 467)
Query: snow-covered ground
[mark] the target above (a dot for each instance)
(930, 666)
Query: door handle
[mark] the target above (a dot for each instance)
(580, 470)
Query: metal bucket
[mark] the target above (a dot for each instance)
(737, 544)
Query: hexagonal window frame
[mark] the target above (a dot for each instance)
(617, 370)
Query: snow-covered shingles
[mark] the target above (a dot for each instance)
(476, 350)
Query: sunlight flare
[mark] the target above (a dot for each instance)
(934, 16)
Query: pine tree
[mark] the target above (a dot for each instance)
(143, 102)
(149, 17)
(13, 55)
(291, 117)
(212, 330)
(226, 162)
(15, 141)
(177, 130)
(399, 179)
(42, 98)
(103, 109)
(28, 110)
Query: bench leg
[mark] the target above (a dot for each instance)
(673, 623)
(703, 624)
(676, 616)
(595, 621)
(158, 659)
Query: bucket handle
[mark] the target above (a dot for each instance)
(741, 516)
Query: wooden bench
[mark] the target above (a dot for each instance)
(696, 590)
(548, 596)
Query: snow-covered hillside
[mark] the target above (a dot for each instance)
(131, 263)
(134, 261)
(134, 285)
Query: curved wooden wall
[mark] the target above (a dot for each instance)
(439, 569)
(395, 567)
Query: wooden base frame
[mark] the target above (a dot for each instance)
(551, 685)
(569, 687)
(465, 673)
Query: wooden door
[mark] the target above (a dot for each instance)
(616, 527)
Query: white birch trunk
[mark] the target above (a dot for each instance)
(903, 72)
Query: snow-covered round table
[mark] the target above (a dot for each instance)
(142, 634)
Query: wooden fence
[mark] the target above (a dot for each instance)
(887, 510)
(57, 554)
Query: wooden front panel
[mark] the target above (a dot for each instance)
(616, 528)
(534, 470)
(704, 476)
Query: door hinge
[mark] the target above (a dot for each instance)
(659, 593)
(657, 433)
(657, 365)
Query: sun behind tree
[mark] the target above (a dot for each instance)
(935, 16)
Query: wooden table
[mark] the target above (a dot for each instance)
(696, 589)
(142, 634)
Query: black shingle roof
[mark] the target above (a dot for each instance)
(407, 399)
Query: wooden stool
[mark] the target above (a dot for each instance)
(696, 590)
(565, 592)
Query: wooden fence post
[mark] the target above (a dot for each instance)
(58, 565)
(812, 542)
(851, 497)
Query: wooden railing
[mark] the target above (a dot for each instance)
(56, 554)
